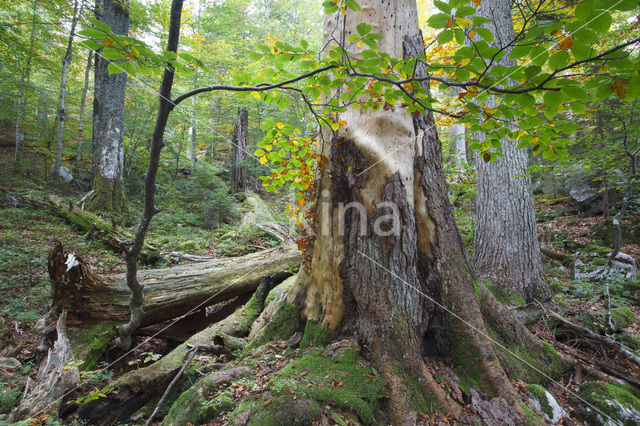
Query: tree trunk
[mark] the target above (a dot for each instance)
(83, 102)
(192, 126)
(239, 153)
(66, 61)
(506, 248)
(108, 118)
(25, 77)
(458, 144)
(168, 293)
(388, 262)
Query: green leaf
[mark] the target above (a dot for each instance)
(100, 25)
(353, 5)
(539, 56)
(445, 36)
(364, 28)
(583, 10)
(459, 36)
(438, 20)
(578, 108)
(114, 68)
(485, 33)
(93, 33)
(518, 51)
(576, 92)
(581, 51)
(112, 54)
(553, 98)
(90, 44)
(559, 60)
(465, 11)
(479, 20)
(600, 21)
(585, 36)
(443, 6)
(353, 38)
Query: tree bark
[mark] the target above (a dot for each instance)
(83, 102)
(406, 288)
(506, 248)
(168, 293)
(458, 144)
(108, 118)
(239, 153)
(66, 61)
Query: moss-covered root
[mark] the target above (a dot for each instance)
(194, 406)
(527, 358)
(134, 389)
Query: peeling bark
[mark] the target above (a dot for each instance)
(239, 154)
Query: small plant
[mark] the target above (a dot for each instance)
(145, 357)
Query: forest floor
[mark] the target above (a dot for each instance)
(27, 236)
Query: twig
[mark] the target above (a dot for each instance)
(191, 354)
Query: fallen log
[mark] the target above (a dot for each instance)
(131, 391)
(98, 228)
(169, 293)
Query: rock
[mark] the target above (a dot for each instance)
(583, 193)
(593, 267)
(10, 363)
(608, 404)
(65, 173)
(545, 403)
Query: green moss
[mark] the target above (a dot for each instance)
(599, 395)
(342, 380)
(540, 394)
(531, 418)
(284, 323)
(564, 259)
(109, 197)
(283, 410)
(505, 295)
(599, 261)
(316, 334)
(623, 317)
(91, 343)
(466, 365)
(599, 250)
(284, 287)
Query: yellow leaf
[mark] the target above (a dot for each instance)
(565, 43)
(556, 33)
(465, 62)
(464, 22)
(268, 147)
(280, 125)
(472, 33)
(449, 23)
(108, 42)
(620, 87)
(342, 123)
(263, 160)
(477, 2)
(302, 202)
(335, 126)
(135, 52)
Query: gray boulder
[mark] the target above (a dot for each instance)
(65, 173)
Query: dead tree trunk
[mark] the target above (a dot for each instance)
(239, 155)
(168, 293)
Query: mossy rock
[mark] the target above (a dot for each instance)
(607, 234)
(546, 403)
(609, 402)
(621, 318)
(283, 325)
(316, 334)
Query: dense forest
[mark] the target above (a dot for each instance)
(411, 212)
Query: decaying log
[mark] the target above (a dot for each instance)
(169, 293)
(134, 389)
(56, 375)
(90, 223)
(604, 340)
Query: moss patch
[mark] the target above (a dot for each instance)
(284, 323)
(109, 197)
(90, 344)
(519, 366)
(599, 395)
(343, 380)
(540, 394)
(505, 295)
(316, 334)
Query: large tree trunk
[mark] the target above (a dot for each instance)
(66, 61)
(83, 102)
(506, 248)
(168, 293)
(108, 118)
(404, 287)
(239, 153)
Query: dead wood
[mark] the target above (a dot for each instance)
(168, 293)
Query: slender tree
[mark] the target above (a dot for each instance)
(108, 118)
(506, 248)
(66, 61)
(24, 78)
(239, 149)
(83, 102)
